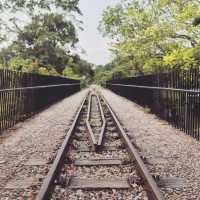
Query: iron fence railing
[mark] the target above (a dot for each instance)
(24, 94)
(173, 96)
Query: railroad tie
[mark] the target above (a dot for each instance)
(106, 183)
(98, 162)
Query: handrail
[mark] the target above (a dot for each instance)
(37, 87)
(195, 91)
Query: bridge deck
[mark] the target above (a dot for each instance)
(169, 151)
(34, 139)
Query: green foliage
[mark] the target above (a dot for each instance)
(185, 58)
(19, 13)
(109, 72)
(151, 36)
(79, 69)
(120, 72)
(102, 76)
(20, 64)
(30, 66)
(45, 40)
(69, 73)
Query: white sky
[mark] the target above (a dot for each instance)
(96, 47)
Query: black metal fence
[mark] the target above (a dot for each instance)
(24, 94)
(173, 96)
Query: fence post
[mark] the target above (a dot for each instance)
(186, 109)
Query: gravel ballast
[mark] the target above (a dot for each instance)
(170, 152)
(101, 173)
(36, 138)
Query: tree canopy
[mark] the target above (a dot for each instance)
(151, 36)
(48, 39)
(15, 14)
(45, 40)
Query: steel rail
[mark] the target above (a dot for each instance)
(150, 185)
(37, 87)
(158, 88)
(100, 141)
(48, 184)
(96, 144)
(90, 132)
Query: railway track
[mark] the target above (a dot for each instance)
(97, 160)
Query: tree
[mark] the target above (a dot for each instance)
(43, 43)
(48, 39)
(113, 70)
(145, 32)
(79, 69)
(19, 13)
(102, 76)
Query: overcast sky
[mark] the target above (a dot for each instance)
(90, 39)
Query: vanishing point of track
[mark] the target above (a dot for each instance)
(97, 159)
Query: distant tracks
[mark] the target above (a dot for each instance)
(97, 159)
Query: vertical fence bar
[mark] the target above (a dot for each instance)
(178, 100)
(195, 104)
(190, 105)
(198, 105)
(182, 102)
(3, 102)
